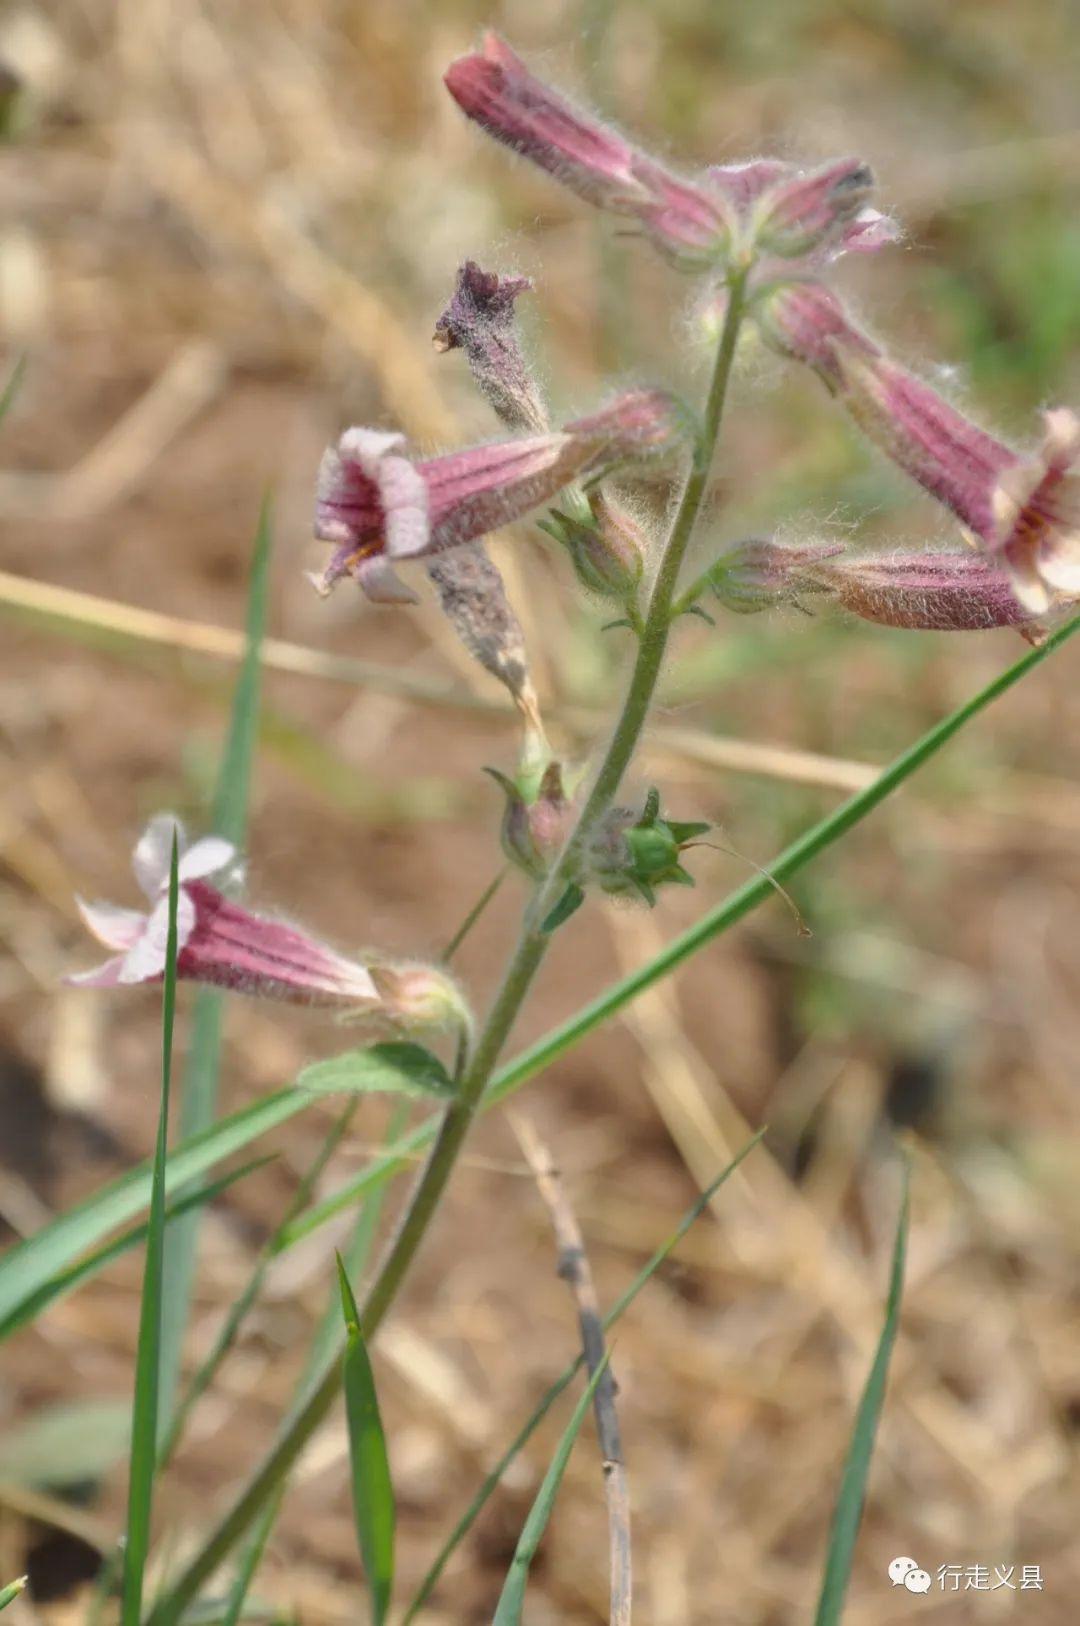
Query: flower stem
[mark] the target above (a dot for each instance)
(527, 958)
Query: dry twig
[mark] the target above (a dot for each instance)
(573, 1267)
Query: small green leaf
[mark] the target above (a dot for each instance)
(512, 1597)
(372, 1490)
(623, 621)
(12, 1590)
(397, 1067)
(568, 904)
(142, 1463)
(849, 1502)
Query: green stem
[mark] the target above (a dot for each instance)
(528, 956)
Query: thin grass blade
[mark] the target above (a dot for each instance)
(144, 1413)
(251, 1560)
(849, 1502)
(241, 1305)
(512, 1598)
(372, 1489)
(198, 1096)
(561, 1384)
(66, 1281)
(7, 399)
(31, 1265)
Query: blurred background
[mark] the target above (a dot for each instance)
(228, 227)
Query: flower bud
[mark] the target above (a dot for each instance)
(480, 320)
(806, 322)
(607, 548)
(418, 998)
(802, 213)
(534, 830)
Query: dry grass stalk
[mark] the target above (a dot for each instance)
(573, 1268)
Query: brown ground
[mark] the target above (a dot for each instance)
(231, 230)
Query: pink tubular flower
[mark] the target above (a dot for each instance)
(959, 591)
(494, 88)
(218, 941)
(731, 212)
(1022, 510)
(378, 506)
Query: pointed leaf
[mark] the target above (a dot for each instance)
(12, 1590)
(397, 1067)
(568, 904)
(372, 1490)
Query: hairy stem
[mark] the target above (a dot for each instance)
(527, 958)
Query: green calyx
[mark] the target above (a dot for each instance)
(635, 858)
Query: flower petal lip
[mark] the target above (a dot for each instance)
(153, 852)
(117, 928)
(145, 960)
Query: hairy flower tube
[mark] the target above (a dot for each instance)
(379, 506)
(222, 943)
(923, 591)
(731, 213)
(1022, 509)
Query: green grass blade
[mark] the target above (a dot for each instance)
(198, 1096)
(561, 1384)
(31, 1264)
(251, 1561)
(242, 1304)
(849, 1502)
(512, 1598)
(7, 399)
(372, 1489)
(12, 1590)
(66, 1281)
(144, 1414)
